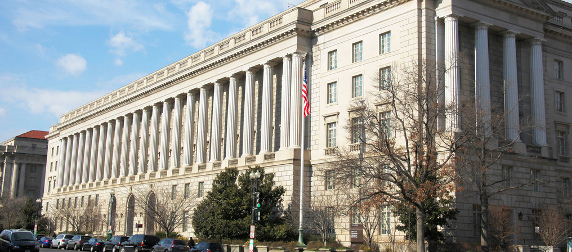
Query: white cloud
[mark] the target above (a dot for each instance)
(120, 43)
(72, 64)
(199, 21)
(118, 62)
(133, 13)
(250, 12)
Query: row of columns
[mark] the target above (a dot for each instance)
(482, 81)
(134, 144)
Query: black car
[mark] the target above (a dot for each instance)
(207, 247)
(114, 244)
(169, 245)
(77, 242)
(15, 240)
(139, 243)
(94, 244)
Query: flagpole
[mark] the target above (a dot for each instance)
(300, 228)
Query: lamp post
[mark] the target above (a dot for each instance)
(111, 203)
(254, 185)
(39, 207)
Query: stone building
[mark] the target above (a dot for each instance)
(239, 102)
(23, 165)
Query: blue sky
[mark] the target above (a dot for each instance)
(56, 55)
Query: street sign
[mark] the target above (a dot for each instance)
(251, 231)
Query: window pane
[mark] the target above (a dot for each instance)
(385, 42)
(332, 92)
(331, 141)
(357, 84)
(385, 78)
(357, 51)
(332, 60)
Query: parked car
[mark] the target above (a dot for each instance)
(61, 241)
(39, 236)
(15, 240)
(207, 247)
(77, 242)
(93, 245)
(138, 243)
(169, 245)
(114, 244)
(45, 242)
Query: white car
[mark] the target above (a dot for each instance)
(61, 241)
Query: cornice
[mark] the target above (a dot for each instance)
(519, 9)
(200, 68)
(334, 21)
(557, 32)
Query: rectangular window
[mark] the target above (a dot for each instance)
(47, 207)
(562, 139)
(356, 177)
(565, 186)
(57, 150)
(49, 185)
(56, 166)
(385, 78)
(507, 175)
(201, 189)
(332, 60)
(330, 179)
(384, 46)
(535, 179)
(187, 190)
(52, 151)
(386, 169)
(74, 202)
(558, 69)
(185, 220)
(331, 136)
(357, 86)
(356, 219)
(477, 220)
(57, 203)
(332, 92)
(96, 199)
(173, 192)
(82, 199)
(357, 51)
(51, 166)
(559, 102)
(385, 123)
(385, 220)
(358, 130)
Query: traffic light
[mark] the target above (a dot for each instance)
(257, 214)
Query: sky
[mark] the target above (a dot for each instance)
(56, 55)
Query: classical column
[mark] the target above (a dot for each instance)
(61, 161)
(115, 159)
(154, 141)
(537, 93)
(165, 125)
(68, 161)
(176, 134)
(101, 161)
(124, 164)
(144, 145)
(248, 128)
(231, 118)
(452, 78)
(285, 102)
(482, 78)
(22, 179)
(134, 144)
(440, 70)
(266, 124)
(79, 163)
(189, 133)
(86, 152)
(511, 109)
(215, 122)
(202, 127)
(108, 150)
(93, 156)
(14, 184)
(73, 161)
(296, 101)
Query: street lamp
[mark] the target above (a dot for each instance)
(39, 207)
(111, 203)
(254, 185)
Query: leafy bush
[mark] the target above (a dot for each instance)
(162, 235)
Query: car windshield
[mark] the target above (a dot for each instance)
(179, 242)
(68, 236)
(22, 236)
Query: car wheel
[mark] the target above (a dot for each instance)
(122, 249)
(136, 249)
(75, 247)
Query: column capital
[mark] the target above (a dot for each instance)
(269, 64)
(509, 34)
(452, 16)
(218, 83)
(481, 25)
(536, 41)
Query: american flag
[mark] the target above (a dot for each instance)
(305, 93)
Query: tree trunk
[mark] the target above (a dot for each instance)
(485, 237)
(420, 214)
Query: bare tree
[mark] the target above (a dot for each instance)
(167, 208)
(502, 228)
(321, 216)
(399, 154)
(553, 225)
(11, 214)
(92, 217)
(74, 216)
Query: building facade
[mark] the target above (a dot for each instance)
(238, 103)
(24, 165)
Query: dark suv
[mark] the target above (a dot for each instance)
(207, 247)
(114, 244)
(139, 243)
(14, 240)
(76, 242)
